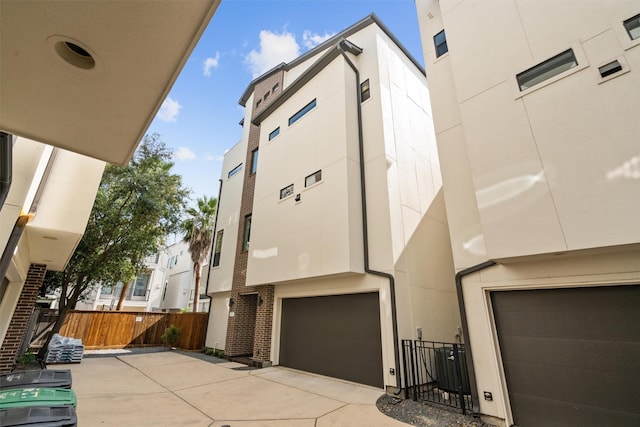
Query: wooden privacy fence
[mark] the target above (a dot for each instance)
(117, 329)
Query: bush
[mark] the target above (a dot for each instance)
(171, 335)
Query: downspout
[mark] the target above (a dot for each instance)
(6, 165)
(213, 241)
(475, 400)
(363, 196)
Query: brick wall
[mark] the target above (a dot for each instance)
(249, 330)
(21, 316)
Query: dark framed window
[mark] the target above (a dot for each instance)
(304, 110)
(254, 161)
(235, 170)
(247, 233)
(140, 285)
(365, 91)
(276, 87)
(286, 191)
(274, 133)
(259, 103)
(440, 40)
(313, 178)
(266, 95)
(632, 25)
(217, 248)
(547, 69)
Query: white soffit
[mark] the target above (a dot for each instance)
(102, 108)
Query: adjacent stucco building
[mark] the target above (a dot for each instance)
(302, 276)
(535, 106)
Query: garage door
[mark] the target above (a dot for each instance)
(337, 336)
(571, 356)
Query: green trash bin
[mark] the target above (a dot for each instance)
(39, 416)
(21, 397)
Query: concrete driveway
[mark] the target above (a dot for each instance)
(173, 389)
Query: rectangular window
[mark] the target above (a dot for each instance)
(106, 290)
(254, 161)
(266, 95)
(274, 133)
(633, 26)
(297, 116)
(313, 178)
(247, 233)
(140, 285)
(259, 103)
(286, 191)
(547, 69)
(217, 248)
(440, 40)
(276, 87)
(235, 170)
(365, 91)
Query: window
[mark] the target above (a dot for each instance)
(254, 161)
(633, 26)
(286, 191)
(365, 91)
(274, 133)
(259, 103)
(218, 248)
(106, 290)
(140, 285)
(547, 69)
(313, 178)
(276, 87)
(310, 106)
(266, 95)
(164, 292)
(235, 170)
(247, 232)
(610, 68)
(440, 40)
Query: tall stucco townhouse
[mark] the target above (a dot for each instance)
(68, 73)
(331, 239)
(536, 108)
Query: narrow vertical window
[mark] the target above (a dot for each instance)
(218, 248)
(254, 161)
(365, 91)
(440, 40)
(247, 233)
(632, 26)
(276, 87)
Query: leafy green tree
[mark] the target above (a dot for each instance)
(135, 208)
(198, 229)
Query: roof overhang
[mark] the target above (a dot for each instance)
(99, 106)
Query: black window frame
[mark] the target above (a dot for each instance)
(217, 249)
(365, 90)
(234, 171)
(635, 21)
(275, 88)
(303, 111)
(286, 191)
(254, 161)
(548, 69)
(306, 179)
(440, 45)
(246, 239)
(274, 133)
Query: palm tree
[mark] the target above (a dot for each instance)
(198, 229)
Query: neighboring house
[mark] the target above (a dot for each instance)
(65, 69)
(180, 279)
(536, 108)
(295, 281)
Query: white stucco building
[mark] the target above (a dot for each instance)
(302, 276)
(536, 118)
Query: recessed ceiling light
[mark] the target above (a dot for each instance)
(73, 52)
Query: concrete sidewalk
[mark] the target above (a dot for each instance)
(172, 389)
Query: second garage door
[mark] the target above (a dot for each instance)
(571, 356)
(337, 336)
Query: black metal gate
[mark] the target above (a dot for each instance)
(437, 372)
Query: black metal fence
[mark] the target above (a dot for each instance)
(437, 372)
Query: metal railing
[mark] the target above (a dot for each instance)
(437, 372)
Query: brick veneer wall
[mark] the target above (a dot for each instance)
(21, 316)
(249, 330)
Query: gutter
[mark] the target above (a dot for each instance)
(475, 400)
(343, 45)
(6, 165)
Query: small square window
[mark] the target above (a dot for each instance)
(254, 161)
(286, 191)
(632, 26)
(276, 87)
(274, 133)
(440, 40)
(313, 178)
(547, 69)
(365, 91)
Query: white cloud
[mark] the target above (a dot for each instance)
(311, 40)
(210, 64)
(169, 110)
(213, 157)
(274, 49)
(184, 153)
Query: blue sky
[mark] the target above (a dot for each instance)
(199, 119)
